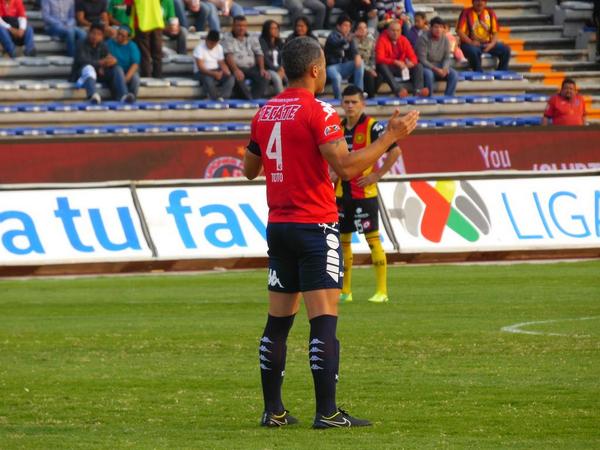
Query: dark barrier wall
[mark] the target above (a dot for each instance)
(56, 160)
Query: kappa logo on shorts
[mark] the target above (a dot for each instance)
(273, 280)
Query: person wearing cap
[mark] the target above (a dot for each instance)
(128, 58)
(93, 62)
(210, 68)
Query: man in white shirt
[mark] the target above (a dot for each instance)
(210, 68)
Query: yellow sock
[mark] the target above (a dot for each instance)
(346, 239)
(379, 261)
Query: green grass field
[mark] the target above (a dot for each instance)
(171, 361)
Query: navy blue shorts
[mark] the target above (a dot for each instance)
(360, 215)
(304, 257)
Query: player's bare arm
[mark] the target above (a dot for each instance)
(390, 159)
(351, 164)
(252, 165)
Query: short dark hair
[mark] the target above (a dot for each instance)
(239, 18)
(213, 36)
(297, 56)
(568, 81)
(97, 26)
(437, 21)
(343, 18)
(421, 14)
(353, 90)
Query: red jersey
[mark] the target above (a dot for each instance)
(287, 133)
(565, 112)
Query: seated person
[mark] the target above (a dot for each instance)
(342, 58)
(317, 7)
(94, 62)
(433, 51)
(365, 45)
(302, 28)
(128, 58)
(173, 30)
(565, 108)
(203, 12)
(88, 12)
(417, 29)
(59, 22)
(245, 60)
(14, 29)
(477, 29)
(210, 68)
(395, 57)
(272, 46)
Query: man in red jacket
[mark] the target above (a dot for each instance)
(395, 57)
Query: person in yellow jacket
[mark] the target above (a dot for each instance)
(358, 207)
(147, 24)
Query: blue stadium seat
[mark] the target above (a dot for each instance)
(421, 101)
(8, 108)
(480, 122)
(7, 132)
(391, 101)
(242, 104)
(215, 127)
(533, 120)
(238, 126)
(446, 100)
(371, 102)
(426, 123)
(183, 105)
(30, 131)
(211, 104)
(153, 106)
(63, 107)
(92, 129)
(537, 98)
(121, 129)
(451, 123)
(151, 128)
(509, 98)
(506, 121)
(182, 128)
(251, 12)
(120, 106)
(476, 76)
(477, 99)
(34, 107)
(90, 107)
(506, 75)
(60, 131)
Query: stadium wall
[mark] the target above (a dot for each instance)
(160, 157)
(141, 226)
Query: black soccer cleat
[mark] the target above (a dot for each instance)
(341, 419)
(272, 420)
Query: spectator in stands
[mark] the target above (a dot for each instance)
(395, 57)
(417, 29)
(173, 29)
(272, 46)
(365, 44)
(302, 28)
(363, 10)
(477, 29)
(148, 20)
(118, 13)
(59, 22)
(433, 52)
(88, 12)
(128, 58)
(567, 107)
(94, 62)
(459, 56)
(596, 21)
(389, 11)
(317, 7)
(245, 59)
(210, 68)
(228, 7)
(203, 12)
(14, 29)
(342, 57)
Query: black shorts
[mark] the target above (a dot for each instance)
(361, 215)
(304, 257)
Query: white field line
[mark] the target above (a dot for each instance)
(516, 328)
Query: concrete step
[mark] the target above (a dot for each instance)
(509, 21)
(586, 78)
(502, 9)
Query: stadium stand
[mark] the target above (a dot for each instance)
(548, 41)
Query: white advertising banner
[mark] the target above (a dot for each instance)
(494, 215)
(212, 221)
(70, 225)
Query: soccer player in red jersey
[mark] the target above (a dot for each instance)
(294, 137)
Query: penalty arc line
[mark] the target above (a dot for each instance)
(516, 328)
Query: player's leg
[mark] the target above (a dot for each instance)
(380, 264)
(320, 279)
(346, 295)
(284, 301)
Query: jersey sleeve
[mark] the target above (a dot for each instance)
(325, 123)
(377, 130)
(253, 146)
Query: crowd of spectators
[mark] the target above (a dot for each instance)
(373, 42)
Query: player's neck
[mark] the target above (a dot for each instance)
(303, 84)
(351, 122)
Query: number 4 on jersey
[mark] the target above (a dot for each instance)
(274, 146)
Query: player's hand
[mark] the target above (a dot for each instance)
(367, 180)
(402, 126)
